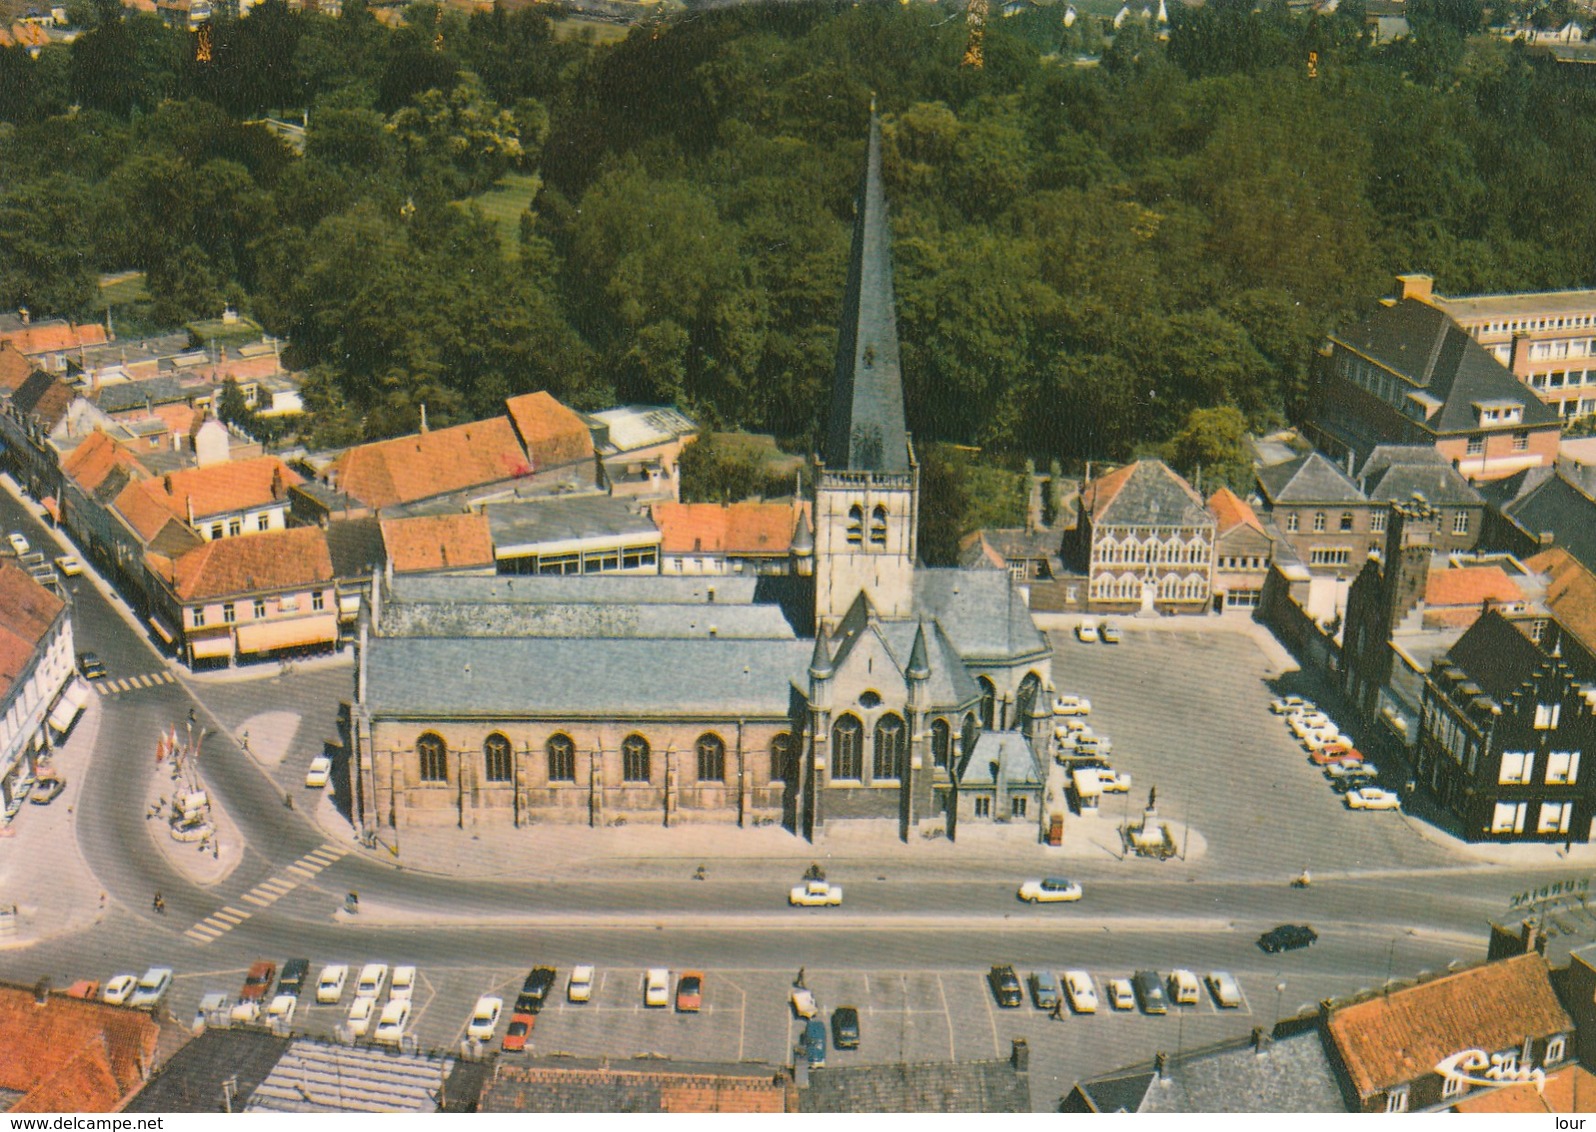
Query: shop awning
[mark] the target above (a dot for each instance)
(161, 630)
(299, 632)
(69, 706)
(205, 647)
(1087, 783)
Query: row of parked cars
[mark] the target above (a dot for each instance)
(1350, 775)
(1090, 631)
(1077, 745)
(1148, 989)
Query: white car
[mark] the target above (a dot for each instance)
(372, 977)
(1086, 632)
(657, 987)
(1351, 770)
(19, 545)
(1307, 721)
(392, 1022)
(1184, 989)
(244, 1014)
(1072, 728)
(403, 987)
(815, 894)
(1328, 737)
(1120, 994)
(579, 987)
(1226, 991)
(320, 769)
(1072, 705)
(152, 987)
(485, 1018)
(1099, 745)
(1050, 890)
(1114, 782)
(281, 1012)
(69, 565)
(803, 1002)
(360, 1016)
(119, 988)
(1292, 705)
(1373, 798)
(1109, 633)
(1079, 990)
(210, 1006)
(330, 987)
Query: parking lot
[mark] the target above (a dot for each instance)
(1188, 712)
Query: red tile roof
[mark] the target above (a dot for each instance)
(1231, 510)
(426, 464)
(14, 368)
(27, 612)
(437, 542)
(49, 337)
(1570, 1089)
(551, 433)
(1397, 1038)
(71, 1054)
(1471, 586)
(214, 490)
(1570, 593)
(730, 528)
(268, 562)
(90, 462)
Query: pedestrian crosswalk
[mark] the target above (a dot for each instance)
(266, 893)
(133, 683)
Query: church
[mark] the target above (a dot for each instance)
(858, 686)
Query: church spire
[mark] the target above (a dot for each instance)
(867, 425)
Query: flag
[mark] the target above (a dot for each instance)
(161, 750)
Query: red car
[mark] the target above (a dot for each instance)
(690, 992)
(1336, 753)
(515, 1038)
(258, 983)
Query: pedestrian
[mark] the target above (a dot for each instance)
(102, 901)
(1057, 1013)
(799, 981)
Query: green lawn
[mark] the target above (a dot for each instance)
(122, 288)
(503, 204)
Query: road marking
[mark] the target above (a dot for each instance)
(253, 899)
(228, 918)
(200, 936)
(239, 912)
(219, 925)
(300, 870)
(109, 687)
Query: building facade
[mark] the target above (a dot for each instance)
(1146, 540)
(37, 676)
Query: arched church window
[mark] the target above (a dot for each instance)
(855, 525)
(891, 748)
(988, 702)
(433, 757)
(781, 757)
(562, 758)
(878, 526)
(967, 734)
(635, 759)
(496, 758)
(711, 758)
(847, 743)
(941, 742)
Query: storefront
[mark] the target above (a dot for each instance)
(320, 632)
(74, 698)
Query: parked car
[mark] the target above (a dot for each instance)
(392, 1021)
(211, 1006)
(845, 1027)
(320, 770)
(1292, 705)
(1005, 985)
(1050, 890)
(1070, 727)
(19, 544)
(280, 1014)
(361, 1013)
(803, 1002)
(330, 987)
(1150, 992)
(244, 1014)
(657, 987)
(815, 1042)
(1184, 989)
(1287, 937)
(1097, 746)
(152, 987)
(1086, 632)
(1082, 995)
(815, 894)
(1108, 633)
(1339, 751)
(372, 978)
(690, 992)
(84, 988)
(258, 983)
(1325, 737)
(46, 790)
(403, 987)
(1351, 771)
(1304, 722)
(1121, 996)
(1113, 782)
(519, 1031)
(89, 665)
(485, 1018)
(1044, 990)
(535, 989)
(1072, 705)
(1373, 798)
(579, 988)
(293, 976)
(1226, 991)
(69, 565)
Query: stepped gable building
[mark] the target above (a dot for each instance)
(850, 688)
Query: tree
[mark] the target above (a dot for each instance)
(1213, 445)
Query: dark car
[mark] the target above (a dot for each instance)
(1149, 990)
(46, 790)
(292, 980)
(1005, 986)
(90, 666)
(1287, 937)
(539, 981)
(815, 1042)
(258, 982)
(845, 1027)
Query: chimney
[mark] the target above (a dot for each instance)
(1161, 1067)
(41, 992)
(423, 417)
(1416, 286)
(167, 480)
(1529, 933)
(189, 500)
(1260, 1041)
(277, 483)
(1020, 1055)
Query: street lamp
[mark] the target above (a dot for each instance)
(1280, 989)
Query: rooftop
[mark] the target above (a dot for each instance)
(437, 542)
(546, 523)
(1231, 511)
(551, 433)
(212, 491)
(591, 1085)
(938, 1086)
(1144, 494)
(317, 1076)
(584, 619)
(578, 588)
(1291, 1074)
(634, 427)
(267, 562)
(1308, 479)
(754, 529)
(422, 465)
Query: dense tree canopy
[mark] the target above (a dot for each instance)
(1091, 261)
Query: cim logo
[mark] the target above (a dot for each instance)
(1487, 1070)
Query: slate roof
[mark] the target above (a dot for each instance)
(43, 396)
(541, 522)
(437, 542)
(590, 1085)
(192, 1081)
(1438, 356)
(943, 1086)
(1496, 656)
(267, 562)
(612, 678)
(1009, 751)
(735, 529)
(1308, 479)
(1383, 456)
(1560, 507)
(586, 619)
(867, 431)
(981, 611)
(1396, 1038)
(949, 683)
(355, 547)
(1292, 1075)
(1144, 494)
(410, 468)
(125, 395)
(576, 588)
(319, 1076)
(551, 433)
(1442, 485)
